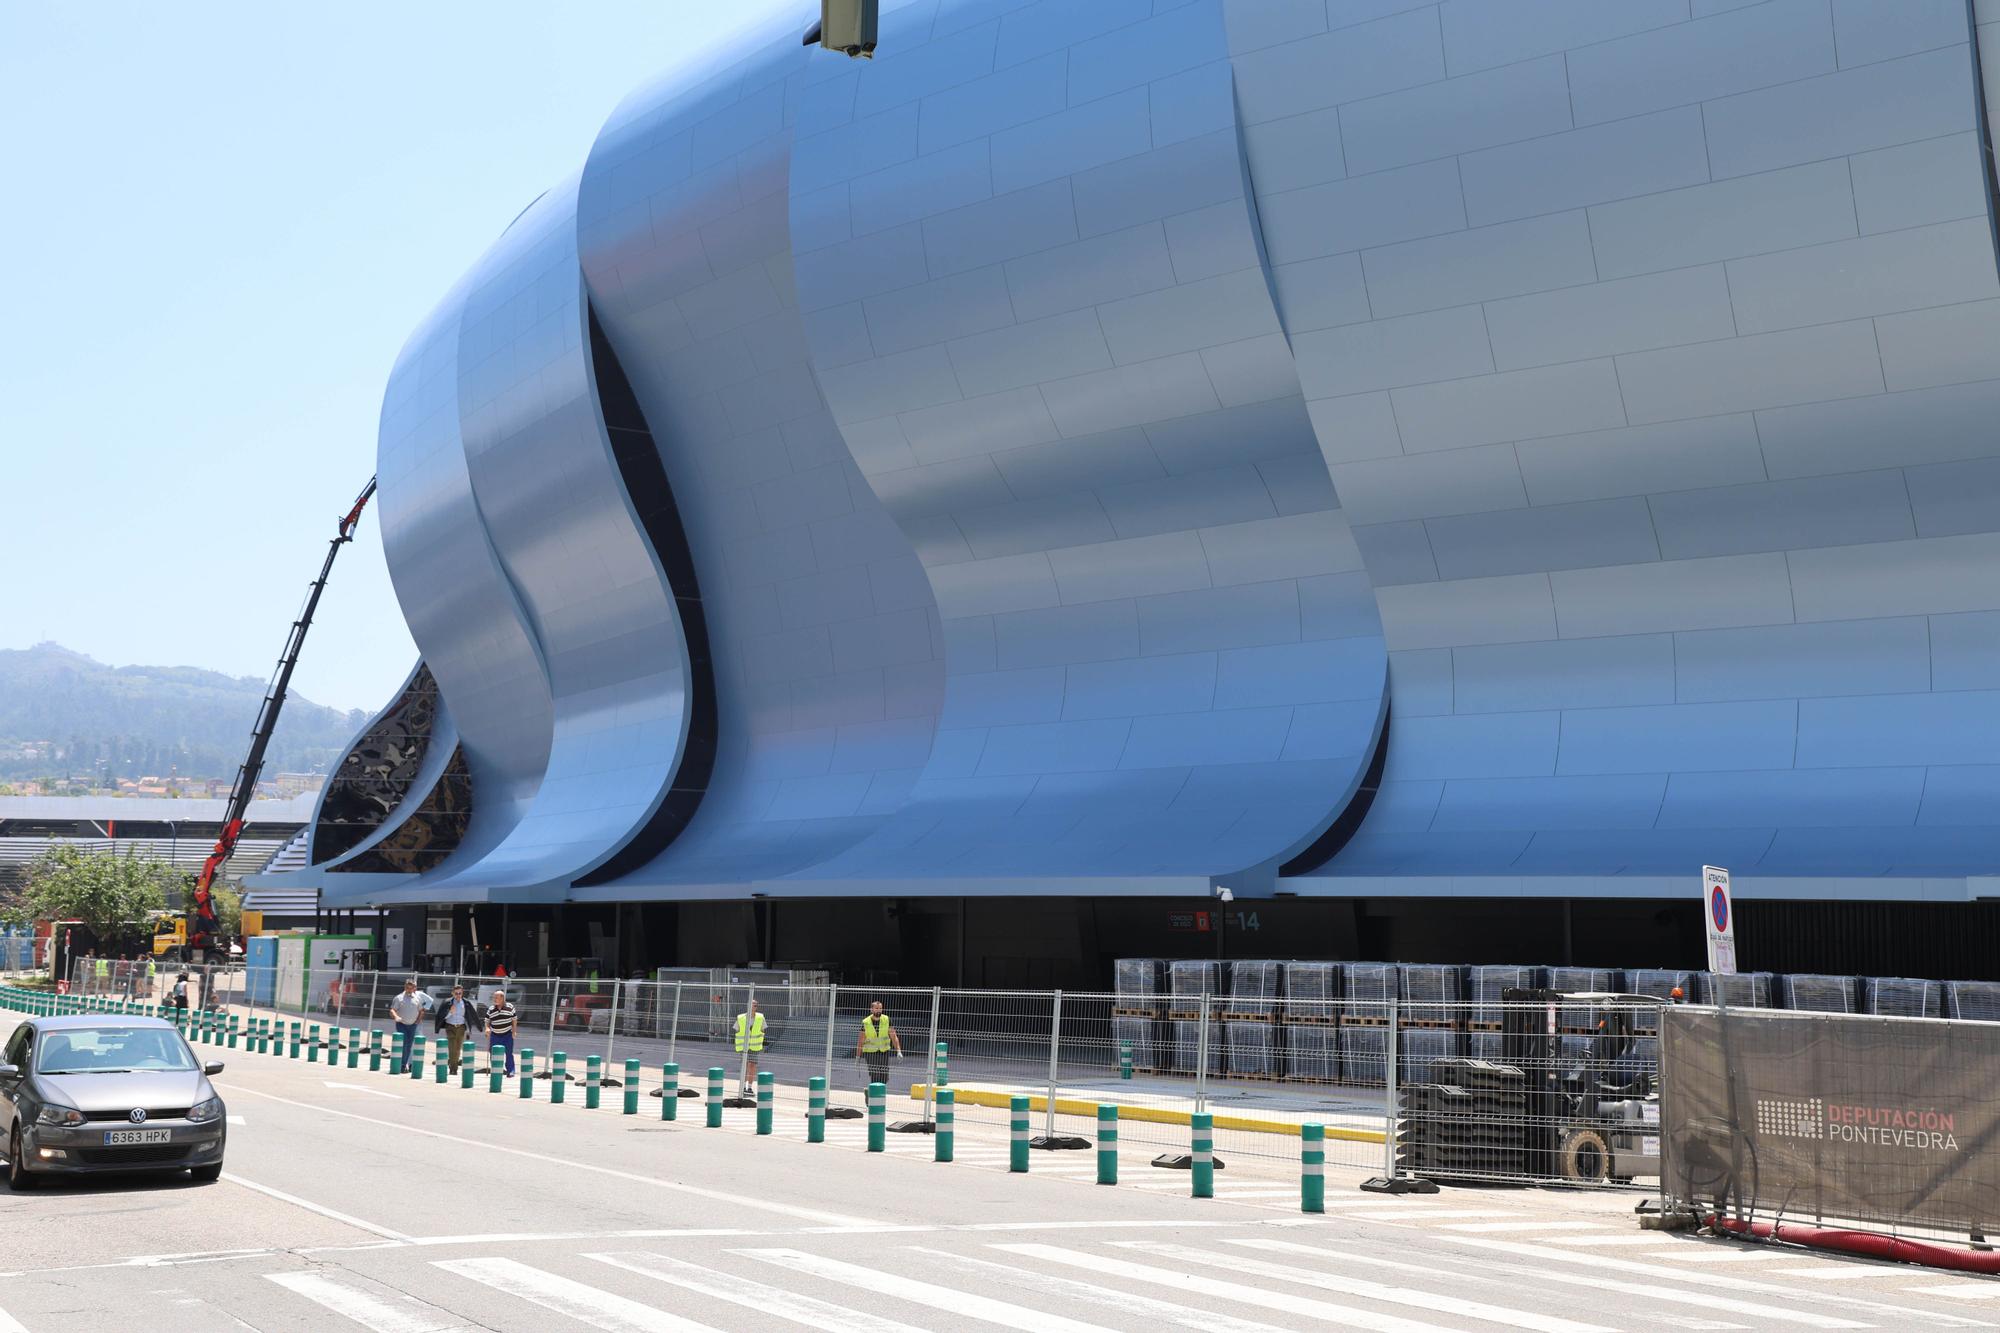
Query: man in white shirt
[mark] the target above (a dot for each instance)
(408, 1010)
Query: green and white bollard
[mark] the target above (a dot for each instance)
(416, 1065)
(1312, 1168)
(465, 1066)
(670, 1092)
(1107, 1143)
(234, 1031)
(593, 1078)
(878, 1129)
(559, 1078)
(816, 1109)
(767, 1087)
(438, 1054)
(1203, 1171)
(295, 1039)
(375, 1050)
(333, 1046)
(1017, 1130)
(1125, 1060)
(943, 1067)
(527, 1074)
(495, 1069)
(944, 1134)
(632, 1086)
(354, 1048)
(715, 1076)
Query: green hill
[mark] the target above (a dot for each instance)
(81, 717)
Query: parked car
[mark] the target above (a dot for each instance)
(86, 1094)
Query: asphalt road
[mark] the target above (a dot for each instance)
(353, 1200)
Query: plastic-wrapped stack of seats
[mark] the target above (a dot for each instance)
(1819, 994)
(1744, 990)
(1255, 991)
(1903, 997)
(1578, 1022)
(1256, 1049)
(1138, 1010)
(1972, 1000)
(1312, 1016)
(1485, 985)
(1430, 1024)
(1370, 990)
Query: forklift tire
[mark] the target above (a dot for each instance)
(1584, 1156)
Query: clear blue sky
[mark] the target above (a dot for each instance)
(221, 222)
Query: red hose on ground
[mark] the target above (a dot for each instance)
(1874, 1246)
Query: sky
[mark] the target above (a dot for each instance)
(220, 222)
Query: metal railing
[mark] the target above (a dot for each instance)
(1369, 1070)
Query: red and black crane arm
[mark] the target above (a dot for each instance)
(202, 926)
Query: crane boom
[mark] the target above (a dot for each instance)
(202, 924)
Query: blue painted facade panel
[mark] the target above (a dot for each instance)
(1086, 421)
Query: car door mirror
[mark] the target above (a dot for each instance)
(212, 1067)
(10, 1071)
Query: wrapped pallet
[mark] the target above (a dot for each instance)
(1312, 1052)
(1660, 984)
(1364, 1055)
(1255, 990)
(1139, 986)
(1485, 984)
(1312, 992)
(1186, 1047)
(1582, 1018)
(1972, 1000)
(1902, 997)
(1432, 993)
(1817, 993)
(1142, 1033)
(1190, 979)
(1255, 1049)
(1419, 1049)
(1369, 988)
(1743, 990)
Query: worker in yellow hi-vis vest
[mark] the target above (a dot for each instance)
(878, 1038)
(749, 1044)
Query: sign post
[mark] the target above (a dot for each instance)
(1718, 915)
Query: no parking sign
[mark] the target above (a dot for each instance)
(1719, 917)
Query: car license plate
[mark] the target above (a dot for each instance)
(118, 1138)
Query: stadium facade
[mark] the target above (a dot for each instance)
(1394, 456)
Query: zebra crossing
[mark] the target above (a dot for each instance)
(1252, 1282)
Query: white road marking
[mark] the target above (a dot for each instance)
(237, 1120)
(356, 1087)
(1524, 1227)
(1676, 1295)
(1338, 1316)
(319, 1208)
(719, 1196)
(767, 1300)
(576, 1300)
(962, 1304)
(1069, 1289)
(1371, 1291)
(401, 1315)
(1839, 1272)
(1382, 1212)
(9, 1324)
(1961, 1291)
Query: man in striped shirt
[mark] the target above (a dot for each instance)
(500, 1018)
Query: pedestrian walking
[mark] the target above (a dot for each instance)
(749, 1043)
(178, 996)
(407, 1010)
(878, 1038)
(454, 1017)
(500, 1019)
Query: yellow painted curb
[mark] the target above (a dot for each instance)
(1150, 1114)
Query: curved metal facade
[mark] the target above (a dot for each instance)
(1087, 424)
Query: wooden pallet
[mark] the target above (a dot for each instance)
(1364, 1021)
(1184, 1015)
(1135, 1013)
(1239, 1016)
(1476, 1025)
(1432, 1024)
(1312, 1020)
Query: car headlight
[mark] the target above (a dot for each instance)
(59, 1115)
(208, 1110)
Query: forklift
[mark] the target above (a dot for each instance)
(1593, 1106)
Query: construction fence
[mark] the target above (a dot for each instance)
(1402, 1087)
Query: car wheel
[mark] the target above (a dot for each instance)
(18, 1178)
(204, 1174)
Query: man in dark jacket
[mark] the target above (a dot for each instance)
(454, 1017)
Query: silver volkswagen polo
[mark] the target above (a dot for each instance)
(89, 1093)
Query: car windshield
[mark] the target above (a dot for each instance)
(108, 1050)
